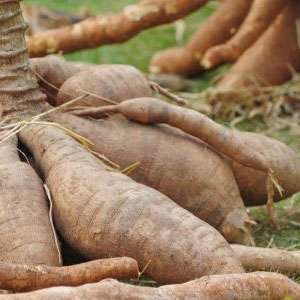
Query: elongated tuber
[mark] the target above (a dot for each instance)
(26, 234)
(217, 29)
(161, 164)
(114, 82)
(268, 259)
(251, 150)
(253, 286)
(260, 17)
(97, 31)
(21, 278)
(102, 213)
(272, 59)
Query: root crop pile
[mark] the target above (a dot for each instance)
(133, 184)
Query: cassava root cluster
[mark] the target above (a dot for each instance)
(133, 185)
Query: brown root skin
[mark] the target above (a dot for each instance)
(102, 30)
(261, 15)
(267, 62)
(116, 216)
(22, 278)
(161, 164)
(268, 259)
(113, 82)
(187, 60)
(27, 236)
(249, 149)
(174, 61)
(52, 71)
(252, 286)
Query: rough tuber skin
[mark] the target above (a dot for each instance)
(22, 278)
(271, 58)
(26, 234)
(118, 28)
(261, 15)
(268, 259)
(253, 286)
(113, 82)
(217, 29)
(207, 188)
(103, 213)
(251, 150)
(52, 71)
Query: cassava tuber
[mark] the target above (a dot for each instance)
(272, 158)
(217, 29)
(272, 58)
(253, 286)
(109, 29)
(260, 17)
(104, 213)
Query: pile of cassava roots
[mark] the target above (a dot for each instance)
(101, 180)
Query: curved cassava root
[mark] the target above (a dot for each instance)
(160, 166)
(225, 210)
(26, 233)
(261, 15)
(217, 29)
(251, 70)
(253, 286)
(22, 278)
(268, 259)
(113, 82)
(118, 28)
(254, 151)
(103, 213)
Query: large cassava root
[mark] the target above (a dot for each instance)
(259, 153)
(114, 82)
(117, 28)
(252, 70)
(26, 234)
(215, 30)
(63, 81)
(161, 164)
(22, 278)
(103, 213)
(225, 210)
(261, 15)
(253, 286)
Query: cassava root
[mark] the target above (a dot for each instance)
(268, 259)
(161, 167)
(118, 28)
(252, 286)
(267, 62)
(22, 278)
(102, 213)
(253, 151)
(217, 29)
(262, 13)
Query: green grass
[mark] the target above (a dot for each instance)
(138, 52)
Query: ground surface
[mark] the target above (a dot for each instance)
(139, 50)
